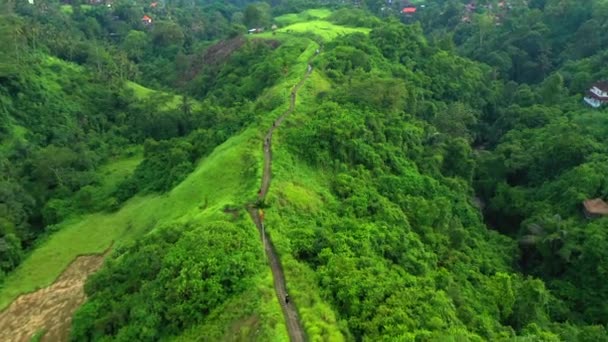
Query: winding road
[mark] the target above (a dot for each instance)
(294, 326)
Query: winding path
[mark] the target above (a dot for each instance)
(294, 326)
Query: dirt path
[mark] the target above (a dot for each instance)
(51, 308)
(267, 175)
(294, 327)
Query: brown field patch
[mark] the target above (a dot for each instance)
(51, 308)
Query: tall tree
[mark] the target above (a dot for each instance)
(257, 15)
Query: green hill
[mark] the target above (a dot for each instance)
(416, 192)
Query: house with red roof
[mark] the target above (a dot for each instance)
(409, 10)
(146, 20)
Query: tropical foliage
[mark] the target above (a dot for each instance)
(428, 185)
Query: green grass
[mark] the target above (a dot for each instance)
(53, 73)
(311, 14)
(202, 195)
(309, 22)
(116, 171)
(298, 190)
(140, 91)
(211, 183)
(229, 176)
(69, 10)
(37, 336)
(321, 13)
(324, 29)
(173, 101)
(299, 196)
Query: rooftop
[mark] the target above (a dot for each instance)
(596, 206)
(596, 96)
(602, 85)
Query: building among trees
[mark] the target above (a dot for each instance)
(594, 208)
(146, 20)
(597, 95)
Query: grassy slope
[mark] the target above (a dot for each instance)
(69, 10)
(309, 22)
(298, 190)
(295, 188)
(116, 171)
(322, 28)
(292, 18)
(175, 101)
(313, 317)
(95, 233)
(253, 313)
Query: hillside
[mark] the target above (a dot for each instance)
(341, 177)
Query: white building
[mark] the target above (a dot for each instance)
(597, 95)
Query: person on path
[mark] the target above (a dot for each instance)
(286, 299)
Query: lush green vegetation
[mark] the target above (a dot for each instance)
(428, 186)
(304, 16)
(180, 272)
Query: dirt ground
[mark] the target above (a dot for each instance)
(51, 308)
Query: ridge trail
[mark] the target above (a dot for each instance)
(294, 326)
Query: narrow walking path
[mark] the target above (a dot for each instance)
(294, 326)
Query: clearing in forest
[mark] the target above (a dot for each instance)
(49, 309)
(311, 14)
(323, 29)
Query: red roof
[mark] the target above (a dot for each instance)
(409, 10)
(146, 18)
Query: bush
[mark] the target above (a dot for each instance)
(169, 281)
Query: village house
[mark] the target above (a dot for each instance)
(594, 208)
(597, 95)
(409, 10)
(146, 20)
(256, 30)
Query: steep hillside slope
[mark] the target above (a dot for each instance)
(350, 149)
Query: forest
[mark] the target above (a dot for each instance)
(427, 185)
